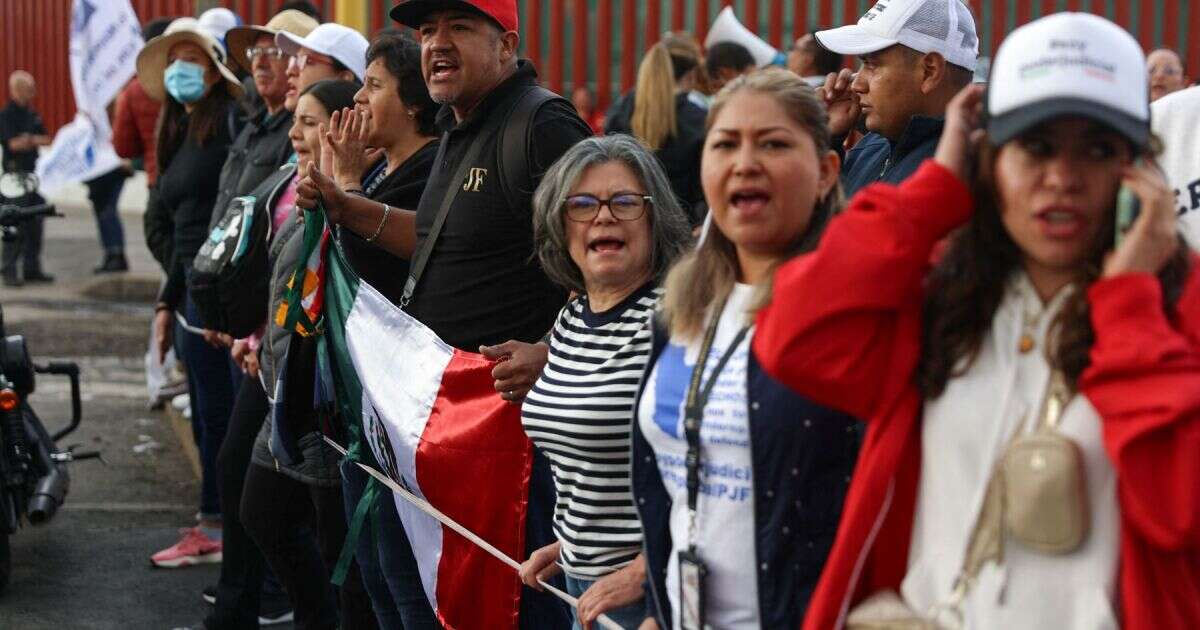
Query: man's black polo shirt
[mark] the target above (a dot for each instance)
(14, 121)
(482, 284)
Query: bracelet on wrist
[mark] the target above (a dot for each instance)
(379, 230)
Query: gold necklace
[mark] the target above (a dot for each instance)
(1028, 329)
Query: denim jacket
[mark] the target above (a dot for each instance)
(802, 458)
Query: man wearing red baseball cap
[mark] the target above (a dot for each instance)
(480, 287)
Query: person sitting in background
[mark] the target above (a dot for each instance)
(726, 61)
(660, 114)
(1165, 68)
(768, 469)
(581, 98)
(607, 228)
(811, 61)
(916, 55)
(1031, 396)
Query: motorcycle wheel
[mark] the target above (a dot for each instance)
(5, 560)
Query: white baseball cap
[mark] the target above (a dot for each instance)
(218, 21)
(941, 26)
(345, 44)
(1069, 64)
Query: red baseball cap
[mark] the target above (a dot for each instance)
(503, 12)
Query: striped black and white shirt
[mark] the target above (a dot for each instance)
(579, 413)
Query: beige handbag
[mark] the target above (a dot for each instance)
(1038, 494)
(1045, 486)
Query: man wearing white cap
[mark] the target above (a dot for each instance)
(330, 51)
(916, 55)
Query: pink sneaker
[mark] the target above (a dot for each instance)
(193, 548)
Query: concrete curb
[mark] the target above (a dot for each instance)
(183, 430)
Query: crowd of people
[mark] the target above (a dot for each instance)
(795, 347)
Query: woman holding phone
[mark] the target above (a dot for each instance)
(1033, 397)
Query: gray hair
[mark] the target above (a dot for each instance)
(669, 233)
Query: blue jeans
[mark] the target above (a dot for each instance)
(386, 561)
(104, 191)
(629, 617)
(210, 391)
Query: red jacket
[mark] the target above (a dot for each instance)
(844, 329)
(133, 127)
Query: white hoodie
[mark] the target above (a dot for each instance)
(1175, 119)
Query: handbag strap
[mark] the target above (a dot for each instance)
(490, 128)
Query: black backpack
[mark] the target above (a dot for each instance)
(231, 275)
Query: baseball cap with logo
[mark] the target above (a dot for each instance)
(941, 26)
(240, 38)
(1069, 64)
(343, 43)
(502, 12)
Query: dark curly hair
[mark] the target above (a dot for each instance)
(402, 58)
(967, 285)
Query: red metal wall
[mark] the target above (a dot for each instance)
(35, 39)
(590, 42)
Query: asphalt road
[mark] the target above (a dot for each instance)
(89, 567)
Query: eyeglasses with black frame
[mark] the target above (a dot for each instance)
(272, 52)
(623, 206)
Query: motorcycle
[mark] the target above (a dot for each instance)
(33, 476)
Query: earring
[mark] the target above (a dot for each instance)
(412, 114)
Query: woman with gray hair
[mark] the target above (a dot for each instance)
(607, 227)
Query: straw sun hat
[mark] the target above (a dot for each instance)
(289, 21)
(152, 60)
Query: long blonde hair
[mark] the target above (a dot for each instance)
(706, 275)
(653, 121)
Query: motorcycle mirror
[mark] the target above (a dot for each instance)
(17, 185)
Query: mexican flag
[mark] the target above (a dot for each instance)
(434, 424)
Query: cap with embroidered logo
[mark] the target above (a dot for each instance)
(941, 26)
(1069, 64)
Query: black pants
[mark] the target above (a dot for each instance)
(27, 247)
(275, 510)
(240, 588)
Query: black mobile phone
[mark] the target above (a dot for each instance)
(1128, 208)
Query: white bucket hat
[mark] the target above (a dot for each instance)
(345, 44)
(1069, 64)
(941, 26)
(152, 60)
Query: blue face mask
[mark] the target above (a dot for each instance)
(185, 81)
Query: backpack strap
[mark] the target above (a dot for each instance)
(515, 139)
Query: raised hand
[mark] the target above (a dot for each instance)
(963, 131)
(840, 101)
(347, 140)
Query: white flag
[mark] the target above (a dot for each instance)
(105, 41)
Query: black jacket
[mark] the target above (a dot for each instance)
(259, 150)
(187, 188)
(802, 457)
(877, 159)
(680, 155)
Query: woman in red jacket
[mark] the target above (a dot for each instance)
(1030, 323)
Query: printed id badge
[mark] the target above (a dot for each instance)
(691, 591)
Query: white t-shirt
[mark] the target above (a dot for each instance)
(725, 508)
(963, 434)
(1175, 119)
